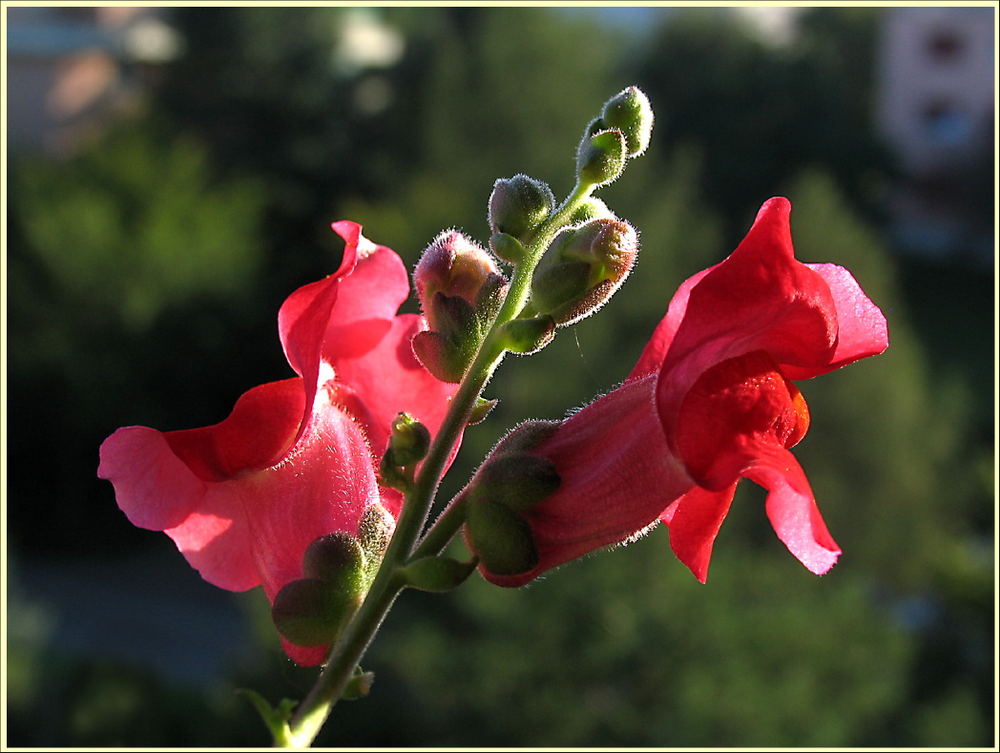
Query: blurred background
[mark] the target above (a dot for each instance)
(172, 177)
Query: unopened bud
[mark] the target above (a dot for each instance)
(309, 612)
(499, 537)
(409, 440)
(454, 265)
(583, 268)
(601, 158)
(629, 111)
(528, 335)
(519, 204)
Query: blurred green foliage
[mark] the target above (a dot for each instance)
(145, 275)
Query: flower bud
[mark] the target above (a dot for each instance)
(454, 265)
(601, 158)
(310, 612)
(460, 291)
(409, 440)
(629, 112)
(582, 269)
(499, 537)
(519, 204)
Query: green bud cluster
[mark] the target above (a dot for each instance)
(509, 484)
(583, 268)
(621, 131)
(460, 290)
(337, 570)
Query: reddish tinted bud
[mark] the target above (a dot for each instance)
(583, 268)
(454, 265)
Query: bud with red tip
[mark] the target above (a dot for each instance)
(583, 268)
(460, 290)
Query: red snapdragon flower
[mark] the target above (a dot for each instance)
(709, 402)
(296, 459)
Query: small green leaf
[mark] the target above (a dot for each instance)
(275, 719)
(481, 410)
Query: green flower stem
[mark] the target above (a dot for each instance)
(346, 654)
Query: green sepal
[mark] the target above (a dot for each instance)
(601, 158)
(500, 537)
(526, 336)
(437, 574)
(311, 612)
(275, 718)
(591, 209)
(374, 532)
(391, 473)
(439, 356)
(516, 479)
(555, 285)
(519, 204)
(452, 316)
(508, 248)
(481, 410)
(338, 559)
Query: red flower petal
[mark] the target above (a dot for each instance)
(694, 523)
(345, 314)
(792, 510)
(731, 410)
(261, 427)
(861, 331)
(253, 526)
(759, 298)
(389, 379)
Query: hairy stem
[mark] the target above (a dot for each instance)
(346, 654)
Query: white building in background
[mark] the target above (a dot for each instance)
(69, 69)
(935, 106)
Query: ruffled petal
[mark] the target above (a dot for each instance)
(617, 477)
(253, 526)
(792, 509)
(154, 488)
(861, 327)
(256, 434)
(759, 298)
(345, 314)
(694, 522)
